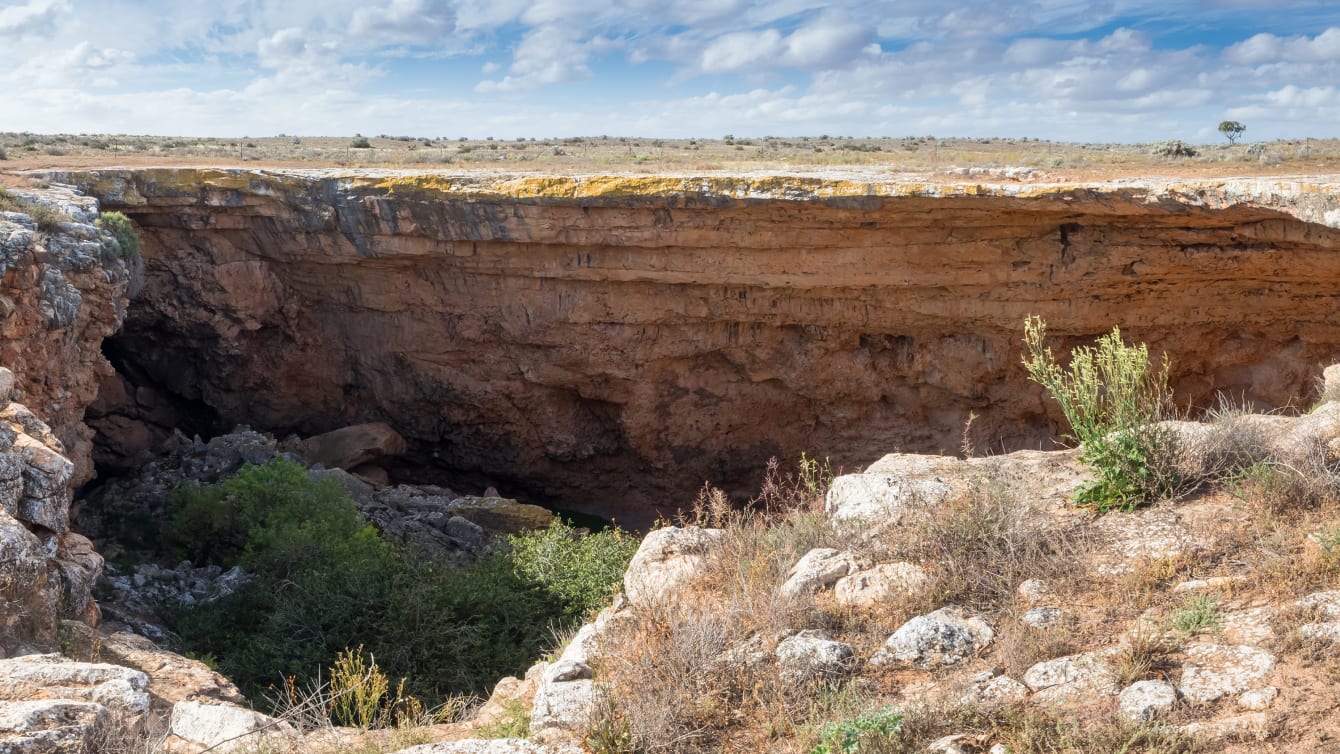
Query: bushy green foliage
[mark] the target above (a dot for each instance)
(583, 572)
(1113, 396)
(861, 733)
(127, 241)
(324, 581)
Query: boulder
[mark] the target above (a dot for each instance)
(1079, 676)
(349, 447)
(812, 657)
(816, 570)
(885, 582)
(225, 727)
(1143, 701)
(666, 560)
(945, 637)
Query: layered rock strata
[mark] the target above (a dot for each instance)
(62, 291)
(608, 343)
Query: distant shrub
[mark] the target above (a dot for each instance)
(1113, 397)
(1173, 149)
(360, 142)
(127, 241)
(3, 154)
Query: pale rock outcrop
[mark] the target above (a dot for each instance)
(567, 692)
(225, 728)
(945, 637)
(816, 571)
(903, 485)
(1213, 671)
(51, 726)
(1258, 700)
(667, 560)
(990, 690)
(1043, 617)
(1241, 727)
(1142, 701)
(51, 678)
(811, 657)
(172, 678)
(1084, 675)
(880, 584)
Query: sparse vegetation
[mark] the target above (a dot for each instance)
(48, 217)
(1173, 149)
(1113, 397)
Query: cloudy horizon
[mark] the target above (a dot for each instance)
(1076, 70)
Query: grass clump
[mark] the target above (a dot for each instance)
(127, 241)
(323, 582)
(48, 217)
(1113, 396)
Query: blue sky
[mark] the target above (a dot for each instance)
(1090, 70)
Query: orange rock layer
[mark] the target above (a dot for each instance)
(610, 343)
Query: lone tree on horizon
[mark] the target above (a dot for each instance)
(1231, 129)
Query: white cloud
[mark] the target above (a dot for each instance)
(36, 17)
(1266, 48)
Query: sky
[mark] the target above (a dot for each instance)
(1074, 70)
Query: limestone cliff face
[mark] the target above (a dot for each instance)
(62, 291)
(611, 342)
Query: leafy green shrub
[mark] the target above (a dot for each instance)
(860, 733)
(323, 581)
(127, 241)
(360, 142)
(1113, 397)
(1199, 614)
(583, 572)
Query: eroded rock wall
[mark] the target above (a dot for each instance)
(62, 291)
(609, 343)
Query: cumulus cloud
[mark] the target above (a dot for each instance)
(404, 21)
(1266, 48)
(35, 17)
(1110, 69)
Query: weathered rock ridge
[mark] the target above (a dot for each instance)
(62, 291)
(610, 342)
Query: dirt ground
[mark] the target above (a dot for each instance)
(925, 157)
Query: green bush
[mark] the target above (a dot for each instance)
(1113, 396)
(127, 241)
(323, 582)
(582, 572)
(861, 733)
